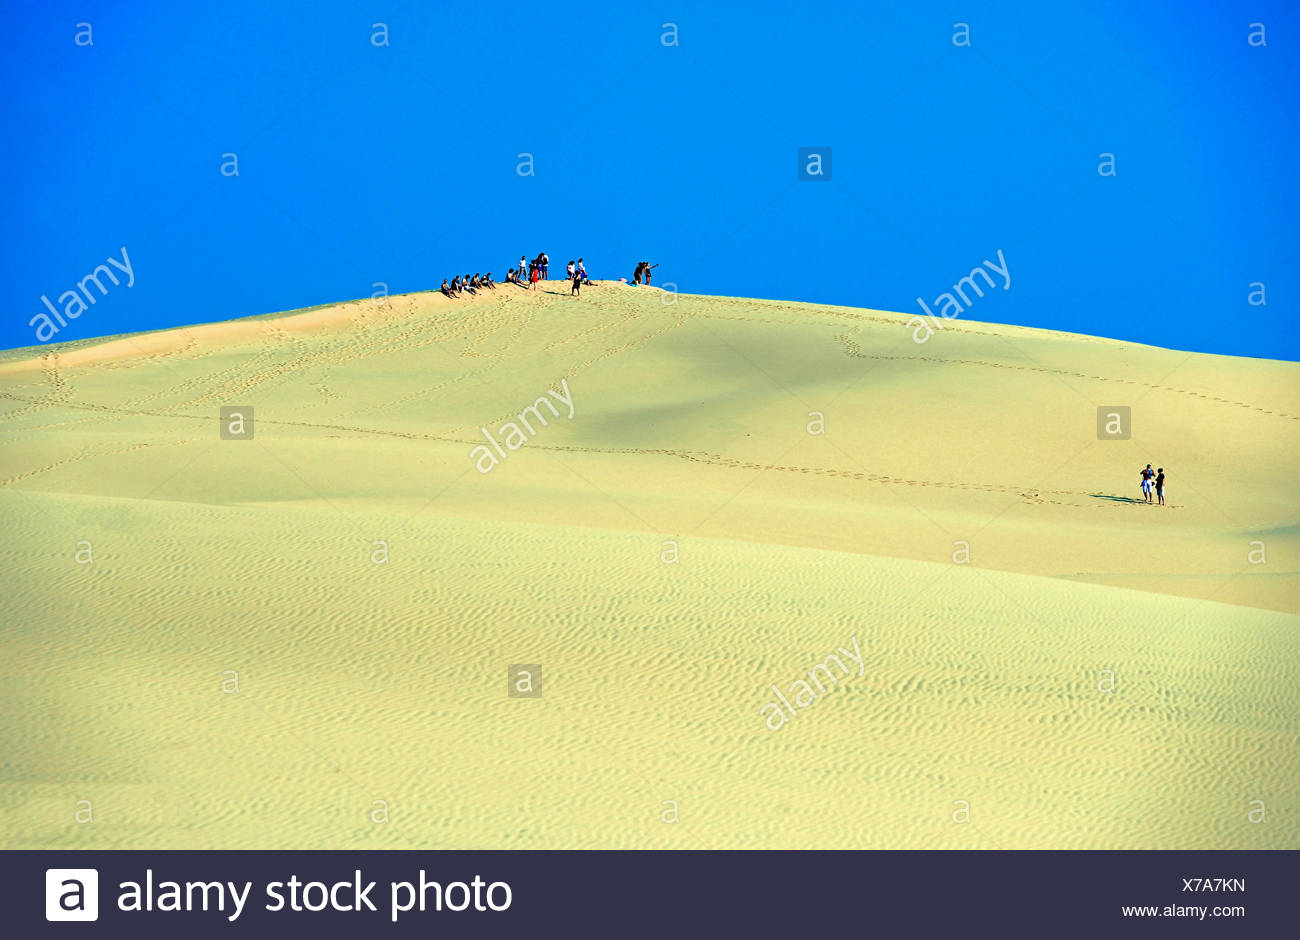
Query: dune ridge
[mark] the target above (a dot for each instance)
(743, 485)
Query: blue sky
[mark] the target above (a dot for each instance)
(362, 163)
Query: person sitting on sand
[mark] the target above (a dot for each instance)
(466, 285)
(455, 285)
(1160, 485)
(488, 282)
(447, 289)
(1148, 475)
(582, 271)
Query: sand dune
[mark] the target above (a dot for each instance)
(744, 486)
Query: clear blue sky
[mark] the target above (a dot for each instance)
(361, 163)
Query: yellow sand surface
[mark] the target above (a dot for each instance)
(303, 639)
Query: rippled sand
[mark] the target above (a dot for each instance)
(1100, 674)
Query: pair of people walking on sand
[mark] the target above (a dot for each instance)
(1153, 480)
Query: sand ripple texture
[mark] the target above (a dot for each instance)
(303, 640)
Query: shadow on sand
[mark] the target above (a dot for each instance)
(1119, 499)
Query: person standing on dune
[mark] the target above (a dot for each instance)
(1160, 485)
(1148, 475)
(537, 273)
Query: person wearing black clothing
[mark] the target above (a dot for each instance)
(1160, 485)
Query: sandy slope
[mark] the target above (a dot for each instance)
(363, 682)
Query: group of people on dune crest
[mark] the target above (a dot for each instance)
(529, 273)
(468, 285)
